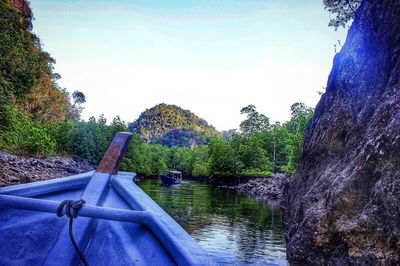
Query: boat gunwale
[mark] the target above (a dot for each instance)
(176, 241)
(181, 246)
(48, 186)
(96, 185)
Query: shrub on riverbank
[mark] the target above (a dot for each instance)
(39, 118)
(252, 155)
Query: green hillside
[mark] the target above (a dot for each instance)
(27, 80)
(171, 125)
(32, 105)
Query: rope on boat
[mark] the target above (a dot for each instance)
(75, 205)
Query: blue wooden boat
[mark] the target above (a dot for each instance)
(118, 224)
(171, 177)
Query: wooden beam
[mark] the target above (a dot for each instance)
(118, 147)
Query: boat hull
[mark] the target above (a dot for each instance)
(129, 228)
(118, 224)
(166, 180)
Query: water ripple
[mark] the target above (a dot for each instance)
(234, 228)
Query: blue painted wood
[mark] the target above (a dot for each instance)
(166, 180)
(140, 245)
(181, 245)
(120, 225)
(50, 206)
(63, 253)
(140, 232)
(48, 186)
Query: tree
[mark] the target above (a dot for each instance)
(26, 71)
(274, 142)
(223, 159)
(137, 157)
(201, 161)
(78, 97)
(254, 122)
(299, 109)
(117, 125)
(75, 110)
(344, 11)
(301, 114)
(251, 155)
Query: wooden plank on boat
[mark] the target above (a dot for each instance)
(162, 240)
(93, 194)
(115, 153)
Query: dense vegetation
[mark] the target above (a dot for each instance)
(171, 125)
(31, 103)
(39, 118)
(268, 149)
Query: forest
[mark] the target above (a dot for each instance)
(340, 207)
(258, 149)
(38, 118)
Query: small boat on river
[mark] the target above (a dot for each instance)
(171, 177)
(96, 218)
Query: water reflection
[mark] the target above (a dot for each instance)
(232, 227)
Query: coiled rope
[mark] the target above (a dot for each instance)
(73, 205)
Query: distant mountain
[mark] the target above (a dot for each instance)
(170, 125)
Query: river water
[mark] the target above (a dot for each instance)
(234, 228)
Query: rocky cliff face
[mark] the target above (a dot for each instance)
(343, 204)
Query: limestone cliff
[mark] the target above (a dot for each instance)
(343, 205)
(170, 125)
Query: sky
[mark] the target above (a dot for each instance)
(212, 57)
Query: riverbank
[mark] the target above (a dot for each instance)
(267, 187)
(270, 187)
(18, 170)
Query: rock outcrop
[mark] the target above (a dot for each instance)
(269, 187)
(343, 205)
(17, 170)
(170, 125)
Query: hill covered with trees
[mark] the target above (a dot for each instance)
(38, 118)
(31, 102)
(170, 125)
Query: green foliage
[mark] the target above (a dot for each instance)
(21, 60)
(157, 156)
(301, 114)
(33, 110)
(20, 134)
(183, 138)
(201, 169)
(277, 148)
(27, 80)
(91, 139)
(137, 158)
(251, 154)
(37, 117)
(63, 133)
(39, 141)
(255, 172)
(201, 161)
(154, 124)
(344, 11)
(223, 158)
(74, 111)
(255, 122)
